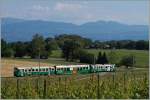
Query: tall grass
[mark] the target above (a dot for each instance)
(118, 85)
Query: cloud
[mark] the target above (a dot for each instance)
(40, 8)
(38, 12)
(66, 7)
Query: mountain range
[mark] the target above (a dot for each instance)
(13, 29)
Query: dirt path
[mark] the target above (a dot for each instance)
(7, 66)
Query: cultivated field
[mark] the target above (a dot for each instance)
(118, 85)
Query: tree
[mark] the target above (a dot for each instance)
(66, 50)
(50, 45)
(130, 45)
(6, 50)
(86, 57)
(3, 47)
(84, 42)
(19, 49)
(99, 58)
(142, 45)
(37, 46)
(104, 59)
(128, 61)
(112, 57)
(71, 49)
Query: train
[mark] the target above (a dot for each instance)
(63, 69)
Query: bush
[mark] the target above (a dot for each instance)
(128, 61)
(86, 57)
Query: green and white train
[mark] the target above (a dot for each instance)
(63, 70)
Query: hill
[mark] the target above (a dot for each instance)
(22, 30)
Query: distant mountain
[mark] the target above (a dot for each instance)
(23, 30)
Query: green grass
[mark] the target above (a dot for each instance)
(141, 56)
(56, 54)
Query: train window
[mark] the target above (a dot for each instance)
(32, 70)
(29, 70)
(65, 69)
(25, 70)
(80, 68)
(43, 69)
(37, 70)
(61, 68)
(46, 69)
(68, 69)
(40, 69)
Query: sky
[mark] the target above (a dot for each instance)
(78, 11)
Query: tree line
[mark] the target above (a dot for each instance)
(121, 44)
(72, 47)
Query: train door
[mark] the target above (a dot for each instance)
(74, 71)
(49, 71)
(108, 68)
(21, 72)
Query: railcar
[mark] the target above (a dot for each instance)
(33, 71)
(63, 70)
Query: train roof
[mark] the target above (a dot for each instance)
(63, 66)
(104, 64)
(36, 67)
(71, 66)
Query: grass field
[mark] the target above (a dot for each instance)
(141, 56)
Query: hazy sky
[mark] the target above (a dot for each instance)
(78, 11)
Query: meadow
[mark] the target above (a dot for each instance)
(141, 56)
